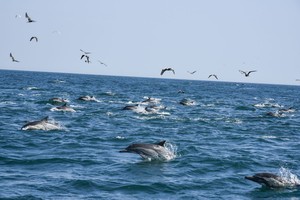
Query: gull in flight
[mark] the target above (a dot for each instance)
(246, 73)
(192, 72)
(87, 58)
(213, 76)
(102, 63)
(28, 18)
(36, 39)
(167, 69)
(12, 57)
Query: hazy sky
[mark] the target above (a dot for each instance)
(139, 38)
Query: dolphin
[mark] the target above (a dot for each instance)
(87, 98)
(63, 108)
(42, 124)
(58, 100)
(156, 151)
(187, 102)
(271, 180)
(131, 107)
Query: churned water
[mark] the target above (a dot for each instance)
(227, 132)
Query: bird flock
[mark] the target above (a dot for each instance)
(87, 59)
(85, 54)
(246, 73)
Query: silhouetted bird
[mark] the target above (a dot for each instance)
(102, 63)
(36, 39)
(246, 73)
(12, 58)
(87, 58)
(213, 75)
(192, 72)
(167, 69)
(28, 18)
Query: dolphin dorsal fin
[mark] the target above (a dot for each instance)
(162, 143)
(45, 119)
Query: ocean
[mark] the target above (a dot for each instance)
(229, 131)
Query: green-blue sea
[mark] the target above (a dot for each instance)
(231, 130)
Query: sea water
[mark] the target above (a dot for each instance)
(225, 135)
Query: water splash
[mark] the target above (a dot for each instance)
(290, 179)
(172, 149)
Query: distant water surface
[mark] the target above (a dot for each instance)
(227, 133)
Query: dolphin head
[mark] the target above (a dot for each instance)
(267, 179)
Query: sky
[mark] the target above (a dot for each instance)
(140, 38)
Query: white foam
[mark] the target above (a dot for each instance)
(290, 179)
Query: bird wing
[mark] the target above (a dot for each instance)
(173, 71)
(251, 71)
(82, 56)
(162, 71)
(242, 72)
(85, 52)
(26, 15)
(216, 77)
(11, 55)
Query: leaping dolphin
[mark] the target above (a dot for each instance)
(156, 151)
(42, 124)
(271, 180)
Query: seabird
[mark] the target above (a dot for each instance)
(167, 69)
(213, 75)
(36, 39)
(192, 72)
(102, 63)
(28, 18)
(246, 73)
(12, 57)
(87, 58)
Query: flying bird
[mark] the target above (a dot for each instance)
(85, 52)
(102, 63)
(28, 18)
(36, 39)
(246, 73)
(87, 58)
(192, 72)
(12, 58)
(167, 69)
(213, 76)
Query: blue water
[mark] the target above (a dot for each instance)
(223, 137)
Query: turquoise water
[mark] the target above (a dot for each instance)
(225, 135)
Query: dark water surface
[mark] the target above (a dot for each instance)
(226, 135)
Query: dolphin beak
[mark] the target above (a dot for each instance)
(123, 151)
(251, 178)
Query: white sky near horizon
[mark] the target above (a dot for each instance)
(139, 38)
